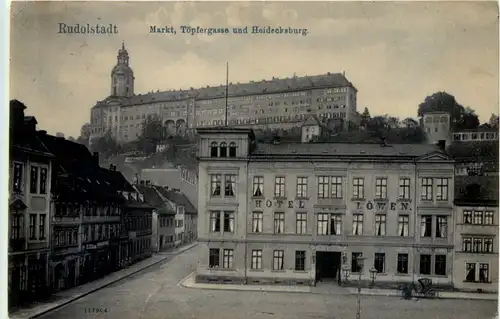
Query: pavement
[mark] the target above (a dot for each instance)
(65, 297)
(326, 289)
(157, 293)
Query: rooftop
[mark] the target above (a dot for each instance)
(345, 150)
(477, 189)
(178, 198)
(275, 85)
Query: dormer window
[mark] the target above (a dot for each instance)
(213, 149)
(223, 149)
(232, 149)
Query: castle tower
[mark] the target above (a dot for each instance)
(437, 126)
(122, 76)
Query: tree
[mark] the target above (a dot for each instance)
(461, 118)
(365, 117)
(105, 145)
(409, 122)
(152, 134)
(493, 122)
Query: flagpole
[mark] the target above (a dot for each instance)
(227, 88)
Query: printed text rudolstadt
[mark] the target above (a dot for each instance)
(87, 28)
(253, 30)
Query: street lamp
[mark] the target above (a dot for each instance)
(373, 275)
(345, 272)
(360, 261)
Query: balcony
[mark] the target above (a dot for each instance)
(17, 244)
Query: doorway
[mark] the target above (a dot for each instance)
(327, 265)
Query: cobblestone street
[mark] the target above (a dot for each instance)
(155, 293)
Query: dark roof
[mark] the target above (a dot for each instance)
(345, 150)
(476, 189)
(178, 198)
(117, 179)
(276, 85)
(155, 200)
(475, 151)
(68, 154)
(479, 130)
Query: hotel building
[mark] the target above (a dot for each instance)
(293, 212)
(275, 103)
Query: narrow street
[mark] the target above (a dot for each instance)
(155, 293)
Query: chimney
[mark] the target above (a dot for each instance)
(110, 167)
(42, 132)
(442, 144)
(141, 182)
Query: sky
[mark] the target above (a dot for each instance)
(395, 53)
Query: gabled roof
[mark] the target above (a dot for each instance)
(177, 198)
(117, 179)
(152, 197)
(312, 120)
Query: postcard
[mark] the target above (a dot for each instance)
(253, 159)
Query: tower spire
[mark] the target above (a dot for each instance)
(123, 45)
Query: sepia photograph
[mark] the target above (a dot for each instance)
(251, 159)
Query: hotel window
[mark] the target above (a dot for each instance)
(379, 262)
(441, 226)
(223, 149)
(258, 186)
(214, 221)
(380, 223)
(404, 188)
(467, 217)
(440, 265)
(301, 223)
(426, 189)
(402, 263)
(426, 230)
(32, 226)
(322, 228)
(358, 189)
(478, 218)
(355, 266)
(278, 256)
(279, 223)
(34, 180)
(403, 225)
(301, 187)
(228, 222)
(357, 224)
(470, 272)
(41, 228)
(336, 183)
(300, 260)
(335, 224)
(43, 180)
(425, 264)
(381, 188)
(257, 259)
(17, 219)
(229, 185)
(488, 218)
(279, 187)
(227, 261)
(232, 149)
(214, 149)
(17, 177)
(215, 184)
(323, 186)
(442, 189)
(257, 218)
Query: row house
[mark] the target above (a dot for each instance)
(30, 168)
(186, 216)
(476, 237)
(163, 220)
(298, 212)
(86, 211)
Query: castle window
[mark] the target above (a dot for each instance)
(232, 149)
(223, 149)
(213, 149)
